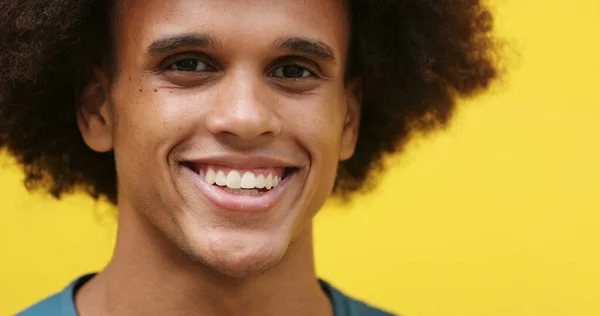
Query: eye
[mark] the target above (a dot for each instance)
(190, 64)
(292, 71)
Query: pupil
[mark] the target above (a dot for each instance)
(293, 71)
(188, 64)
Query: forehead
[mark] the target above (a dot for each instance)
(239, 21)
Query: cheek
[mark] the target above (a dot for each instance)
(318, 125)
(153, 119)
(148, 124)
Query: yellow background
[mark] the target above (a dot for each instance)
(499, 215)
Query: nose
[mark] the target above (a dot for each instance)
(243, 110)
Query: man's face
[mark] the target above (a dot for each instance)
(228, 119)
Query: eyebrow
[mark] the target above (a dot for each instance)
(169, 43)
(307, 46)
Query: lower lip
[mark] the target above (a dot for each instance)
(240, 203)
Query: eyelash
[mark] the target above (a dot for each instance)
(312, 73)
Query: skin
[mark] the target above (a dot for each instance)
(177, 253)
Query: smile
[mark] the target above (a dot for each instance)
(241, 189)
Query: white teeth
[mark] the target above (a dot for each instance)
(269, 182)
(221, 179)
(211, 176)
(234, 180)
(260, 181)
(248, 181)
(276, 181)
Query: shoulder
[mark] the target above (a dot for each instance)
(51, 306)
(59, 304)
(347, 306)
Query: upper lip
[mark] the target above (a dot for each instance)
(245, 161)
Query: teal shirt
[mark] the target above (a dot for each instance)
(62, 304)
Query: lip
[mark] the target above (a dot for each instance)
(245, 162)
(240, 203)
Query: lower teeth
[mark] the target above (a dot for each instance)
(242, 191)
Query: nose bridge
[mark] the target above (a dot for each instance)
(242, 107)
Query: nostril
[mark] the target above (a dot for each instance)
(243, 121)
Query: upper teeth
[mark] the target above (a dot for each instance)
(234, 180)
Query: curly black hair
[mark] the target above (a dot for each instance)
(414, 57)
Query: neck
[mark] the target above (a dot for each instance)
(149, 275)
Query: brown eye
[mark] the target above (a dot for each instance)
(292, 71)
(190, 65)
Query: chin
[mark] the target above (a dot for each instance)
(236, 254)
